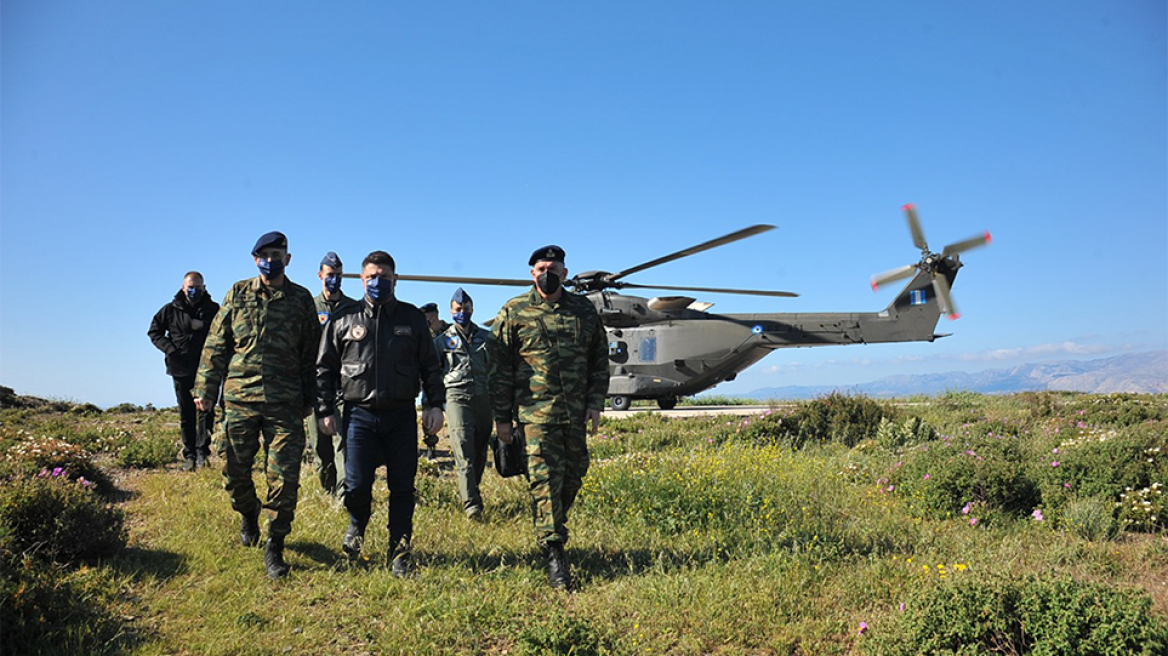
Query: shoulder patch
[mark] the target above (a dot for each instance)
(323, 316)
(452, 341)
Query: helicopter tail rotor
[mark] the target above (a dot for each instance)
(931, 263)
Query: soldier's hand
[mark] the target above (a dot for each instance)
(202, 404)
(327, 425)
(503, 430)
(432, 420)
(593, 417)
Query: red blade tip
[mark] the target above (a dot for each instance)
(874, 284)
(954, 316)
(988, 238)
(908, 206)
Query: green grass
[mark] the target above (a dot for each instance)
(690, 537)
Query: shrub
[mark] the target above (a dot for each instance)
(559, 634)
(893, 435)
(154, 449)
(1035, 616)
(1092, 519)
(1119, 409)
(59, 519)
(839, 418)
(1143, 509)
(34, 455)
(940, 478)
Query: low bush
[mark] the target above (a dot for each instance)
(1143, 509)
(33, 455)
(1029, 616)
(945, 477)
(1092, 519)
(1119, 409)
(558, 634)
(153, 449)
(894, 435)
(55, 518)
(838, 418)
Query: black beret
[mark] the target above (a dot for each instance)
(272, 238)
(430, 307)
(546, 253)
(331, 260)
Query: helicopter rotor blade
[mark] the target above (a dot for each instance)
(914, 226)
(964, 245)
(713, 243)
(899, 273)
(509, 282)
(716, 290)
(944, 298)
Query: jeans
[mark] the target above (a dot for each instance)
(390, 438)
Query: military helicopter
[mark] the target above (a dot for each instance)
(667, 347)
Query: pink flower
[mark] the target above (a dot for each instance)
(1054, 464)
(973, 521)
(1037, 515)
(902, 606)
(965, 510)
(891, 488)
(1055, 450)
(863, 628)
(926, 477)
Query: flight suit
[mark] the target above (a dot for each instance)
(549, 366)
(466, 367)
(328, 452)
(262, 349)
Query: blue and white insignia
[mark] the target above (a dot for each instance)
(323, 316)
(452, 342)
(757, 329)
(917, 297)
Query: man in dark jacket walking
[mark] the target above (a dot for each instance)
(379, 355)
(179, 330)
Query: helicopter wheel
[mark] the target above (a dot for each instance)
(667, 402)
(620, 402)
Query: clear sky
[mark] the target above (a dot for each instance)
(139, 140)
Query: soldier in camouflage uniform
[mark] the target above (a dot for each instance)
(328, 452)
(549, 376)
(262, 349)
(463, 349)
(437, 327)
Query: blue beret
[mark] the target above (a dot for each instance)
(430, 307)
(546, 253)
(331, 260)
(460, 296)
(273, 238)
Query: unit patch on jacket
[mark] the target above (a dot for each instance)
(323, 316)
(403, 330)
(453, 342)
(357, 332)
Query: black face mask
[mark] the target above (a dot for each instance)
(548, 282)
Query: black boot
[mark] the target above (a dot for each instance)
(353, 541)
(249, 529)
(559, 575)
(274, 559)
(400, 561)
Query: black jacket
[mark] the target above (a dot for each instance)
(379, 357)
(173, 331)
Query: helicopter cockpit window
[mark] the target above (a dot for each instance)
(618, 352)
(648, 349)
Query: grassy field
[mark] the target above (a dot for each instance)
(842, 526)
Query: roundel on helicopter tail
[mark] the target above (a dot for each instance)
(757, 329)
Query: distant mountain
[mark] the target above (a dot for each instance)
(1145, 373)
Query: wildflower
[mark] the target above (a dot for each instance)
(965, 510)
(57, 471)
(1037, 515)
(1055, 450)
(863, 628)
(973, 521)
(902, 606)
(1054, 464)
(926, 477)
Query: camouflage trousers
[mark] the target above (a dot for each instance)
(470, 422)
(279, 429)
(557, 460)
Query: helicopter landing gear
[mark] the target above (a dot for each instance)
(620, 402)
(667, 402)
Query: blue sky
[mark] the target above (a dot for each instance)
(139, 140)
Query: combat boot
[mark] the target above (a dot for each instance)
(274, 559)
(353, 541)
(559, 575)
(400, 561)
(249, 529)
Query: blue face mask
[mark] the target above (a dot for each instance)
(332, 284)
(271, 268)
(194, 294)
(379, 290)
(461, 318)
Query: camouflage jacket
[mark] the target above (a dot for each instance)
(465, 359)
(326, 308)
(549, 361)
(262, 346)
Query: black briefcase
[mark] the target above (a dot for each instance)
(510, 459)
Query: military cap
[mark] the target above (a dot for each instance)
(273, 238)
(331, 260)
(554, 253)
(430, 307)
(460, 296)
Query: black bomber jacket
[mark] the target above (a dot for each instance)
(379, 356)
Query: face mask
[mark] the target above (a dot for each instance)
(548, 283)
(461, 318)
(379, 290)
(194, 293)
(332, 284)
(271, 268)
